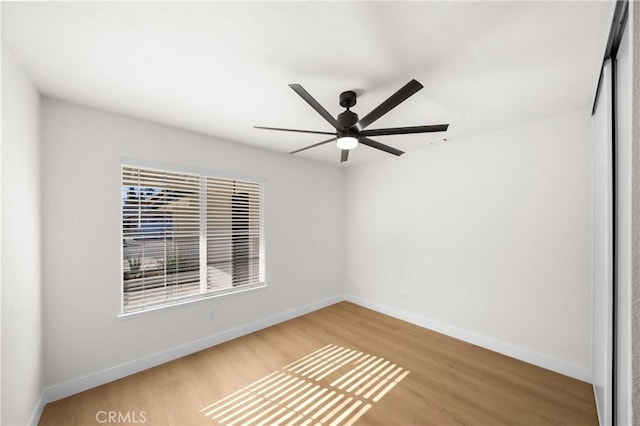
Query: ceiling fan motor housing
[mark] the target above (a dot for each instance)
(347, 119)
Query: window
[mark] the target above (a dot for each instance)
(187, 236)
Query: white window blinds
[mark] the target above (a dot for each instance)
(233, 232)
(187, 236)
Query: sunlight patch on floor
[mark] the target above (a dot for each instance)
(333, 385)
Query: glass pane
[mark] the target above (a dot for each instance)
(160, 227)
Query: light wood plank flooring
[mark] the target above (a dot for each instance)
(340, 365)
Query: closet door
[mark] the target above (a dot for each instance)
(623, 256)
(602, 328)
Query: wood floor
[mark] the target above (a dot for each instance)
(337, 366)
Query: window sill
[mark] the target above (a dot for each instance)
(190, 301)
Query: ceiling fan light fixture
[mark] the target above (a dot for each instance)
(347, 142)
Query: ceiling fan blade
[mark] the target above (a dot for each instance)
(344, 156)
(315, 105)
(393, 101)
(405, 130)
(377, 145)
(313, 146)
(294, 130)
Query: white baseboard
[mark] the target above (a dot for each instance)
(599, 408)
(526, 355)
(63, 390)
(37, 411)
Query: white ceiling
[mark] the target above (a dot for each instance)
(220, 68)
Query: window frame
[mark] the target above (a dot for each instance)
(204, 293)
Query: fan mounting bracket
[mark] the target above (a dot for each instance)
(347, 99)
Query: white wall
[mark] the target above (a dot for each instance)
(487, 239)
(82, 149)
(21, 249)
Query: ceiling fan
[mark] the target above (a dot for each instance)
(350, 130)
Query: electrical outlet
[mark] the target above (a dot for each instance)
(212, 315)
(404, 295)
